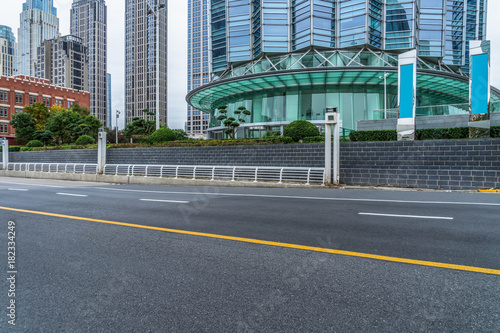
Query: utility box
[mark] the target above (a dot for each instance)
(331, 118)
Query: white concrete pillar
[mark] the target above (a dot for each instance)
(5, 154)
(101, 152)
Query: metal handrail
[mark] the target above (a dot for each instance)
(251, 173)
(82, 168)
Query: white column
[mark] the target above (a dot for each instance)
(101, 152)
(5, 154)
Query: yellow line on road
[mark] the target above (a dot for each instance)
(278, 244)
(489, 191)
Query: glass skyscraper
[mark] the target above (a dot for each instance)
(142, 60)
(291, 59)
(7, 51)
(38, 22)
(89, 22)
(198, 63)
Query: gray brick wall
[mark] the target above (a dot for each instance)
(54, 156)
(299, 155)
(447, 164)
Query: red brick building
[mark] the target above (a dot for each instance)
(16, 92)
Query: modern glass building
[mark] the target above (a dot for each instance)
(89, 22)
(7, 51)
(198, 64)
(142, 61)
(38, 22)
(291, 59)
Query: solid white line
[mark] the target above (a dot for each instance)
(169, 201)
(410, 216)
(18, 189)
(305, 198)
(73, 195)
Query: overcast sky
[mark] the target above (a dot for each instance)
(177, 48)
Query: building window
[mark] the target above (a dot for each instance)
(46, 101)
(4, 96)
(3, 111)
(19, 98)
(70, 104)
(32, 99)
(3, 128)
(59, 102)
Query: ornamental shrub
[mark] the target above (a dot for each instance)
(85, 140)
(300, 129)
(163, 134)
(34, 143)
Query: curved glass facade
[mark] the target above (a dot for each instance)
(291, 59)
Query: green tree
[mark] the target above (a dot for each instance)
(45, 136)
(139, 126)
(84, 112)
(24, 125)
(39, 113)
(180, 134)
(232, 123)
(92, 125)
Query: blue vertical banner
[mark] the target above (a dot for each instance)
(479, 89)
(406, 92)
(407, 95)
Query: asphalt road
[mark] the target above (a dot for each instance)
(75, 275)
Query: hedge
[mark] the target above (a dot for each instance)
(420, 134)
(386, 135)
(442, 133)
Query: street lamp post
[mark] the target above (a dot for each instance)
(116, 125)
(385, 93)
(155, 11)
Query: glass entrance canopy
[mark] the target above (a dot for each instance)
(301, 86)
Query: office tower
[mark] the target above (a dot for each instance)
(63, 61)
(7, 51)
(198, 64)
(89, 22)
(290, 60)
(38, 22)
(142, 60)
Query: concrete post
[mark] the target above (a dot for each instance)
(5, 154)
(328, 153)
(336, 153)
(101, 152)
(331, 119)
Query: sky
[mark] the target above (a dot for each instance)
(177, 49)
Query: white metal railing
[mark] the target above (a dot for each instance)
(253, 173)
(54, 167)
